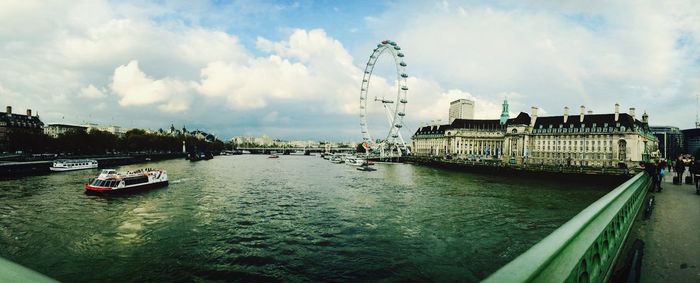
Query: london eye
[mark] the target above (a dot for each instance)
(390, 143)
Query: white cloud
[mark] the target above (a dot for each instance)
(556, 54)
(91, 91)
(135, 88)
(309, 66)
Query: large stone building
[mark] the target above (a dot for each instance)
(13, 123)
(54, 130)
(115, 130)
(585, 139)
(461, 109)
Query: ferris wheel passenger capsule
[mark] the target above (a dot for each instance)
(403, 64)
(404, 88)
(400, 54)
(403, 75)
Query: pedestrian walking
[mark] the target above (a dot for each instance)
(680, 169)
(695, 172)
(662, 172)
(650, 168)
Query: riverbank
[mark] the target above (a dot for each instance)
(548, 171)
(28, 168)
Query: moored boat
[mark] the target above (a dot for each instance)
(111, 181)
(337, 159)
(73, 164)
(365, 167)
(355, 161)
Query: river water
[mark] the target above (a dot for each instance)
(295, 219)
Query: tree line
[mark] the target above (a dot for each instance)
(102, 142)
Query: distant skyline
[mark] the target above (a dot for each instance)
(292, 69)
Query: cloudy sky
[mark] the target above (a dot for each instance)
(293, 70)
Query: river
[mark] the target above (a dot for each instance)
(295, 219)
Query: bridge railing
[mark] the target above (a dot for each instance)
(12, 272)
(586, 247)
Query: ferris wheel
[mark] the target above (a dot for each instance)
(393, 144)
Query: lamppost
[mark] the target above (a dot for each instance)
(645, 156)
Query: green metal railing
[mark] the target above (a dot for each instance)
(586, 247)
(12, 272)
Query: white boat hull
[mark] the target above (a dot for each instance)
(61, 169)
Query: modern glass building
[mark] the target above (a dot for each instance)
(692, 141)
(671, 143)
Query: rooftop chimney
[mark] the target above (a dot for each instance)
(29, 112)
(566, 113)
(617, 112)
(533, 117)
(9, 110)
(632, 112)
(583, 112)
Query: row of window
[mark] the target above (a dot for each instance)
(574, 148)
(575, 142)
(571, 129)
(573, 156)
(20, 124)
(105, 183)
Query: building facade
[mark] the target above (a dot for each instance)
(12, 123)
(671, 141)
(115, 130)
(599, 140)
(691, 138)
(54, 130)
(461, 109)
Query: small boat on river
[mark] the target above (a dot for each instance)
(355, 161)
(365, 167)
(73, 164)
(111, 181)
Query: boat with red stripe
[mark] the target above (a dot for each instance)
(111, 181)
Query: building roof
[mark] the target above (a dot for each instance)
(523, 118)
(491, 124)
(19, 120)
(691, 133)
(66, 126)
(588, 120)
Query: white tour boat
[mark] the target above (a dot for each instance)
(111, 181)
(73, 164)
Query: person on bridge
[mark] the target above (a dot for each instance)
(661, 167)
(695, 171)
(650, 168)
(680, 169)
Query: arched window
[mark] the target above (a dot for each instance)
(622, 152)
